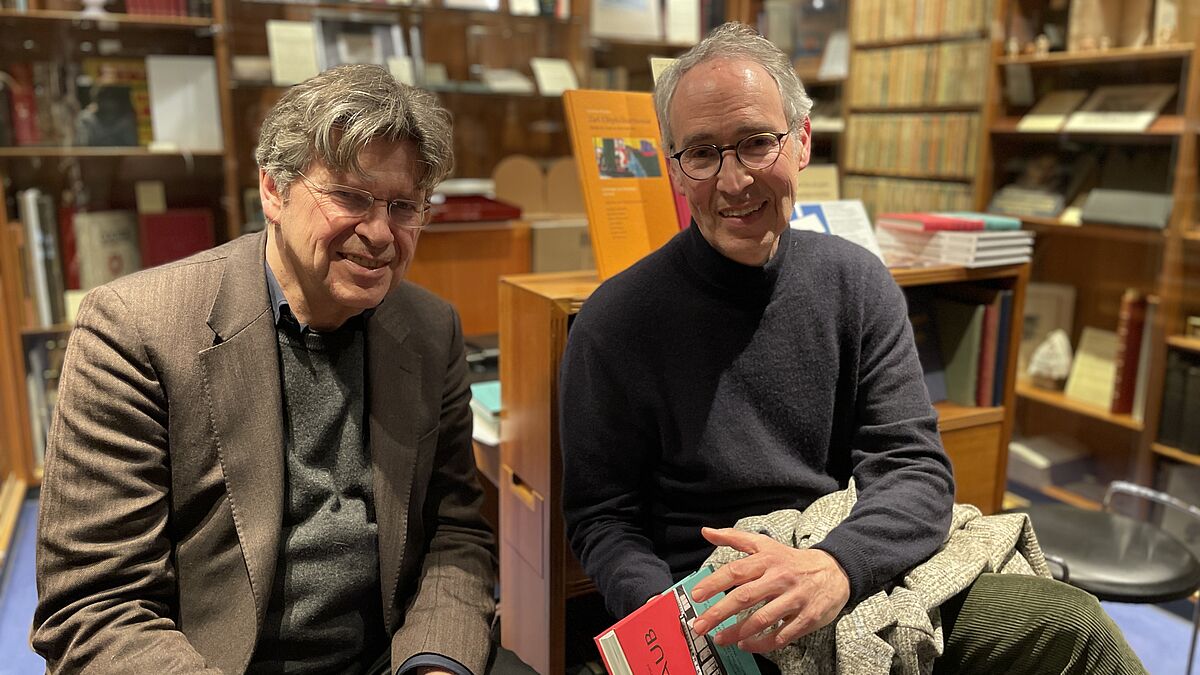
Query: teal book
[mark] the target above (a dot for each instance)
(486, 396)
(991, 221)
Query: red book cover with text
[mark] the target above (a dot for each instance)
(648, 641)
(174, 234)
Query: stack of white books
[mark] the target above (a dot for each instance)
(969, 240)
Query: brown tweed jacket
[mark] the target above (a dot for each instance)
(161, 504)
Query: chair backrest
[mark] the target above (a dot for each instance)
(1178, 517)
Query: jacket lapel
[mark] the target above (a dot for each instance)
(394, 389)
(242, 375)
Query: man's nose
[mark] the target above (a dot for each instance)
(375, 225)
(732, 177)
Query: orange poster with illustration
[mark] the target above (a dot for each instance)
(623, 171)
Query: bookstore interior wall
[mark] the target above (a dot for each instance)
(127, 134)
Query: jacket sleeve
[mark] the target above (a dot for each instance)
(904, 480)
(452, 609)
(106, 580)
(607, 459)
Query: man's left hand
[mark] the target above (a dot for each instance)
(804, 589)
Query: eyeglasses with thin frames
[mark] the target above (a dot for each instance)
(757, 151)
(355, 203)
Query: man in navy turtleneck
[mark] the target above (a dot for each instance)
(745, 368)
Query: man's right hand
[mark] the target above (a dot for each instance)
(804, 589)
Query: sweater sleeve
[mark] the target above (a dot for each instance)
(903, 476)
(607, 461)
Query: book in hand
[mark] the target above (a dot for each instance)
(657, 638)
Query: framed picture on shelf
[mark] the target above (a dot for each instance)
(1128, 108)
(343, 39)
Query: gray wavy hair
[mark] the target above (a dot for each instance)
(733, 40)
(331, 117)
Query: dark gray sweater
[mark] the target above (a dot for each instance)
(696, 390)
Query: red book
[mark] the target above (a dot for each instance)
(473, 209)
(174, 234)
(23, 104)
(66, 247)
(1131, 320)
(988, 344)
(926, 222)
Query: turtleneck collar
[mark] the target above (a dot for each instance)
(728, 275)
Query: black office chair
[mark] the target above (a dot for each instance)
(1118, 558)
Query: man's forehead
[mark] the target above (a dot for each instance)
(724, 98)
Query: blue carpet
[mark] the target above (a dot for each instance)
(1158, 636)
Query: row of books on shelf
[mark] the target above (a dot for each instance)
(887, 20)
(1179, 425)
(880, 195)
(950, 73)
(960, 332)
(168, 102)
(68, 252)
(1129, 108)
(196, 8)
(918, 145)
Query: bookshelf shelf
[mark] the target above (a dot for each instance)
(1186, 343)
(124, 20)
(415, 8)
(1166, 128)
(811, 79)
(908, 277)
(32, 151)
(1192, 235)
(1060, 400)
(1108, 56)
(46, 330)
(932, 177)
(921, 40)
(607, 42)
(1175, 454)
(955, 108)
(1052, 226)
(952, 416)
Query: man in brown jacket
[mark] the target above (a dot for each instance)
(261, 458)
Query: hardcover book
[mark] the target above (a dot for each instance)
(623, 172)
(658, 638)
(927, 222)
(107, 244)
(174, 234)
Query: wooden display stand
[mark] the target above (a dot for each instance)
(538, 573)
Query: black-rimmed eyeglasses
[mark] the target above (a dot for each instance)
(355, 203)
(758, 151)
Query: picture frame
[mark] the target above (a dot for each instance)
(355, 38)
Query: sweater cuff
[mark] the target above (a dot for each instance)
(636, 589)
(856, 564)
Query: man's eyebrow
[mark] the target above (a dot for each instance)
(705, 138)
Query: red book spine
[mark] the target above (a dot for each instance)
(24, 105)
(988, 344)
(1130, 321)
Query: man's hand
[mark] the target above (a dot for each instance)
(804, 589)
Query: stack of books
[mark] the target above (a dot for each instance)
(959, 238)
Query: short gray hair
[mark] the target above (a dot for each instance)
(733, 40)
(331, 117)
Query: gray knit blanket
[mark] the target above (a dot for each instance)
(897, 631)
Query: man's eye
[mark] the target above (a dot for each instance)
(349, 199)
(701, 154)
(405, 207)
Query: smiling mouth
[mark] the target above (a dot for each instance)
(742, 212)
(368, 263)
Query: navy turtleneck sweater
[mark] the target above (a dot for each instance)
(696, 390)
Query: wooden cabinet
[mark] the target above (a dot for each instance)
(538, 573)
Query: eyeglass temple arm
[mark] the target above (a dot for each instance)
(1135, 490)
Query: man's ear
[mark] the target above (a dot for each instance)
(271, 195)
(805, 144)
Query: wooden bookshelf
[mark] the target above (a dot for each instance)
(1054, 227)
(922, 40)
(1175, 454)
(1186, 343)
(1115, 55)
(78, 151)
(912, 176)
(81, 20)
(954, 108)
(1067, 496)
(1165, 127)
(1061, 401)
(949, 274)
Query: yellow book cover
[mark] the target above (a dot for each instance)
(623, 172)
